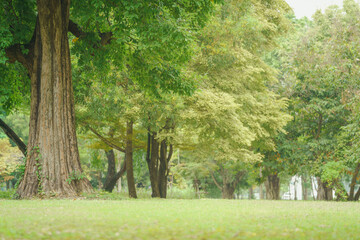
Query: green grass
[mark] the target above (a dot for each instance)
(178, 219)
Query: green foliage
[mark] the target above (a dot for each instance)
(75, 176)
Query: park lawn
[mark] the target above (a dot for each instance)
(178, 219)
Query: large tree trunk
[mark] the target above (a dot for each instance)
(272, 186)
(53, 157)
(129, 160)
(228, 191)
(324, 193)
(13, 136)
(112, 176)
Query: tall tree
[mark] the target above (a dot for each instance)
(36, 35)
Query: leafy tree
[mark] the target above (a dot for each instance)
(35, 34)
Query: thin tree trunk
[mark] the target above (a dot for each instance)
(53, 155)
(152, 165)
(112, 176)
(261, 190)
(272, 186)
(251, 193)
(118, 183)
(12, 135)
(129, 160)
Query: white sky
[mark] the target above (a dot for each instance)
(308, 7)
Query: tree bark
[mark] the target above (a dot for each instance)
(163, 173)
(228, 191)
(13, 136)
(272, 186)
(129, 160)
(353, 183)
(251, 193)
(112, 176)
(261, 190)
(357, 195)
(53, 155)
(152, 161)
(324, 192)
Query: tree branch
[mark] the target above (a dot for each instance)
(216, 183)
(105, 38)
(106, 141)
(12, 135)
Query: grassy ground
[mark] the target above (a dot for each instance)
(178, 219)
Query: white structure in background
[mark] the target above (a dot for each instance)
(295, 189)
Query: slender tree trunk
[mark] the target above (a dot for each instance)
(110, 155)
(251, 193)
(129, 160)
(261, 190)
(118, 183)
(7, 185)
(162, 176)
(353, 183)
(12, 135)
(112, 176)
(152, 160)
(272, 186)
(196, 183)
(52, 149)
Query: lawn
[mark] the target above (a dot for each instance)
(178, 219)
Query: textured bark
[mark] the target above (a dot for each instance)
(52, 149)
(112, 176)
(324, 192)
(164, 168)
(357, 195)
(129, 160)
(353, 183)
(153, 145)
(272, 186)
(111, 171)
(228, 191)
(13, 136)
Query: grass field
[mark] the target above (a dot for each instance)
(178, 219)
